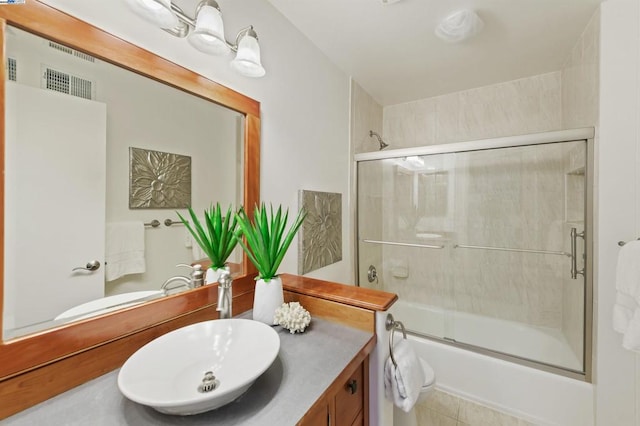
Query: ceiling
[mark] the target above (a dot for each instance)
(392, 52)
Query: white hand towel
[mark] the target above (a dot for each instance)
(631, 338)
(623, 312)
(626, 311)
(402, 384)
(124, 251)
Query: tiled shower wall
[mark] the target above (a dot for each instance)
(515, 107)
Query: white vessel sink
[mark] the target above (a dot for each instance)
(167, 373)
(109, 303)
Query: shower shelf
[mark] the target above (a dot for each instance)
(391, 243)
(557, 253)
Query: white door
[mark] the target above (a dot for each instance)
(54, 203)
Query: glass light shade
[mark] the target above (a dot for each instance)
(155, 11)
(208, 37)
(247, 61)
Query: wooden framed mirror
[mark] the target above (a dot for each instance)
(27, 353)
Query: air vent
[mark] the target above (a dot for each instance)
(71, 51)
(69, 84)
(12, 69)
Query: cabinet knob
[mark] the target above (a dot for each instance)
(353, 386)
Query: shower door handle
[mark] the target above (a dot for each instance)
(574, 256)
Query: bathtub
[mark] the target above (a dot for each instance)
(542, 344)
(534, 395)
(108, 304)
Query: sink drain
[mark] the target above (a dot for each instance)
(209, 383)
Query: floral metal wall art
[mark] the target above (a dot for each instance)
(159, 180)
(320, 238)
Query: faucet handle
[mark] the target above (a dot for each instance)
(225, 280)
(197, 274)
(196, 267)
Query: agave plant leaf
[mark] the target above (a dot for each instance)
(246, 228)
(262, 225)
(287, 241)
(276, 225)
(214, 242)
(217, 238)
(264, 245)
(197, 232)
(227, 237)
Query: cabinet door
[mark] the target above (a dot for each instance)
(317, 416)
(359, 421)
(349, 399)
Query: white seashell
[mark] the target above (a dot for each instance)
(293, 317)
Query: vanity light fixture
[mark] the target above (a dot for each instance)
(205, 32)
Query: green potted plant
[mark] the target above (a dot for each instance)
(217, 238)
(266, 244)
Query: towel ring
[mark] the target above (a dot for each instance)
(393, 325)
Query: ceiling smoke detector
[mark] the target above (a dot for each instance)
(386, 2)
(459, 26)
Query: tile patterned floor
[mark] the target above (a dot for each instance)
(444, 409)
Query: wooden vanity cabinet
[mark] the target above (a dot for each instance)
(346, 401)
(349, 399)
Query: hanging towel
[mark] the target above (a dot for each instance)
(124, 249)
(402, 384)
(626, 311)
(196, 251)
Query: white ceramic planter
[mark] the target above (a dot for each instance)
(213, 275)
(267, 298)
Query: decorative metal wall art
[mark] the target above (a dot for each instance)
(320, 239)
(159, 180)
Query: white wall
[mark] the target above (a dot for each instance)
(304, 102)
(618, 207)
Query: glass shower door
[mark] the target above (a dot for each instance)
(485, 248)
(518, 249)
(405, 218)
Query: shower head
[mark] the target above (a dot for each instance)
(383, 144)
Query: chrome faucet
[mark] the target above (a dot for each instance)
(196, 279)
(224, 294)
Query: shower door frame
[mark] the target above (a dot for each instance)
(574, 135)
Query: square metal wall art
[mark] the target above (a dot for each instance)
(159, 180)
(320, 239)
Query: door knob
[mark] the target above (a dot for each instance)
(93, 265)
(372, 274)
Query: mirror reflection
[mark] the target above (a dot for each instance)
(94, 155)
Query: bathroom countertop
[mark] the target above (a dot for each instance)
(305, 367)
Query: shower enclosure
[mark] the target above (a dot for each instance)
(487, 244)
